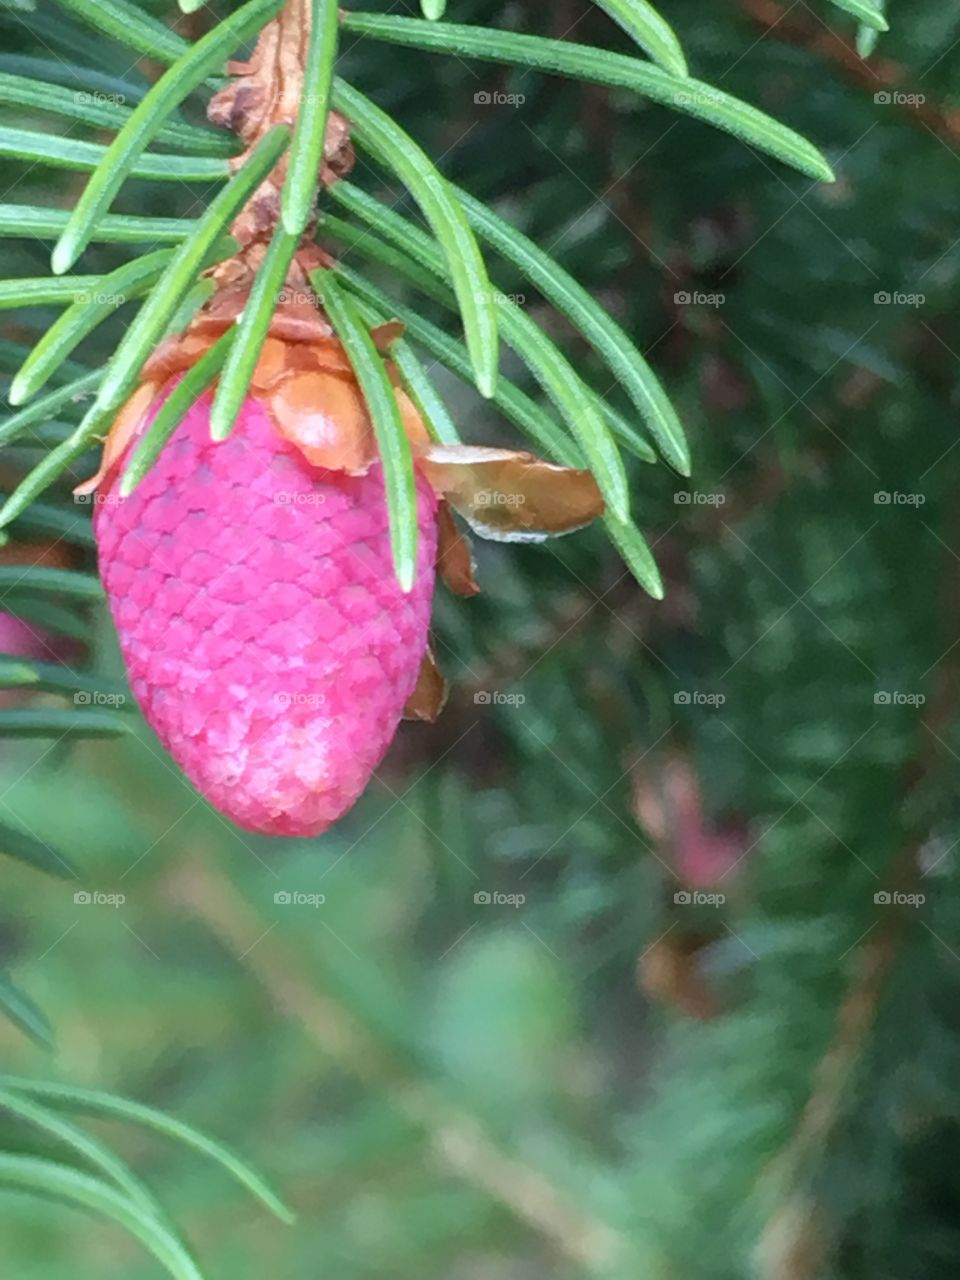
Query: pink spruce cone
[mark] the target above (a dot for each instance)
(266, 637)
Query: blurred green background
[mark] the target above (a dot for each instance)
(598, 1077)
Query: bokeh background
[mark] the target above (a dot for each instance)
(643, 961)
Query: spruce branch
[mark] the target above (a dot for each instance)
(395, 149)
(185, 75)
(571, 299)
(129, 24)
(38, 95)
(552, 370)
(869, 12)
(289, 81)
(97, 1103)
(392, 440)
(15, 1004)
(581, 62)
